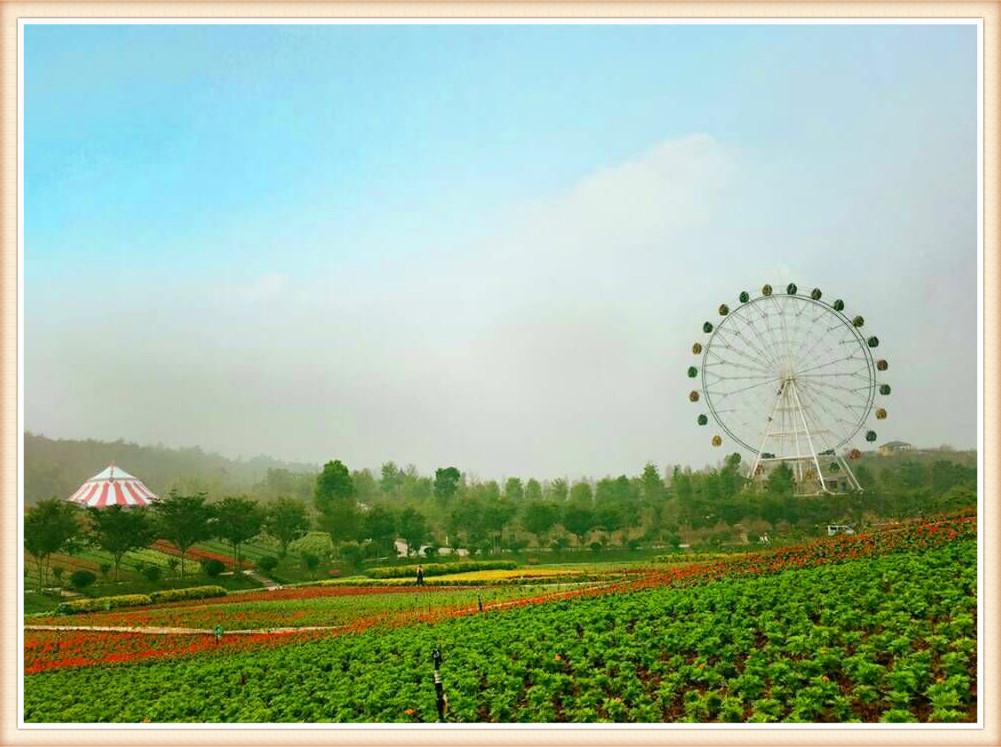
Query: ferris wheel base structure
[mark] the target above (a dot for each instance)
(792, 379)
(807, 482)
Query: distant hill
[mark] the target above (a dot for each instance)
(57, 467)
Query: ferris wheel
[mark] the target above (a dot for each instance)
(792, 379)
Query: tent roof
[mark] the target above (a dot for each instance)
(112, 486)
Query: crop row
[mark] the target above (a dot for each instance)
(884, 638)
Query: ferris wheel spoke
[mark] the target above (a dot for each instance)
(828, 385)
(737, 352)
(759, 354)
(758, 350)
(768, 336)
(857, 372)
(820, 366)
(820, 340)
(830, 397)
(785, 332)
(749, 387)
(856, 412)
(835, 417)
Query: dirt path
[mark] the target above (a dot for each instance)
(178, 631)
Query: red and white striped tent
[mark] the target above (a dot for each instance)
(112, 487)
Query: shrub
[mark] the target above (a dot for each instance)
(81, 579)
(191, 592)
(440, 569)
(310, 561)
(152, 573)
(267, 564)
(596, 547)
(212, 567)
(352, 552)
(103, 603)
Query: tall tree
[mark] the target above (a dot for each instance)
(380, 526)
(780, 482)
(446, 483)
(651, 485)
(413, 528)
(118, 530)
(578, 519)
(366, 487)
(51, 527)
(286, 520)
(533, 490)
(557, 490)
(335, 500)
(496, 516)
(467, 521)
(238, 520)
(513, 489)
(390, 479)
(184, 520)
(539, 517)
(334, 483)
(581, 492)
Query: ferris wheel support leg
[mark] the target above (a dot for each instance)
(849, 474)
(809, 438)
(768, 432)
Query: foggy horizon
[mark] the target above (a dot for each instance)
(283, 242)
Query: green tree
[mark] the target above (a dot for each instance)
(780, 482)
(333, 484)
(366, 487)
(391, 479)
(467, 521)
(581, 493)
(610, 517)
(731, 481)
(513, 489)
(912, 474)
(578, 520)
(413, 528)
(118, 530)
(380, 526)
(557, 490)
(651, 485)
(539, 518)
(286, 520)
(80, 579)
(311, 563)
(51, 527)
(496, 516)
(335, 500)
(184, 520)
(533, 490)
(238, 520)
(446, 484)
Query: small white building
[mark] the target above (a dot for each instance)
(894, 447)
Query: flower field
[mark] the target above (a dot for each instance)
(311, 606)
(865, 628)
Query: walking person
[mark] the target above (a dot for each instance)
(420, 575)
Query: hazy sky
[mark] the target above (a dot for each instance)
(483, 246)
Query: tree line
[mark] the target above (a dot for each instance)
(366, 516)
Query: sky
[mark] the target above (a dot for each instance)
(483, 246)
